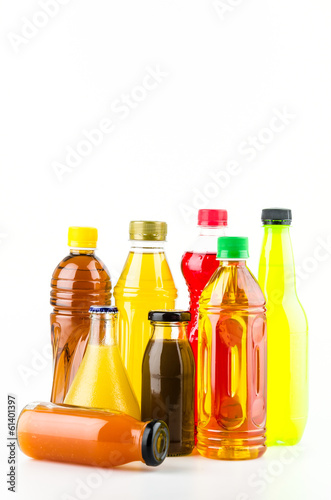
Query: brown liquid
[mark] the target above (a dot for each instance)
(168, 391)
(79, 281)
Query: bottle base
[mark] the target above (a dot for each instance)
(283, 442)
(232, 452)
(211, 444)
(285, 433)
(177, 451)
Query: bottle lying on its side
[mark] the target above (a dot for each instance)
(72, 434)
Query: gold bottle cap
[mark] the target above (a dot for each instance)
(150, 230)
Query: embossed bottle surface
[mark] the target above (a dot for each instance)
(232, 359)
(81, 280)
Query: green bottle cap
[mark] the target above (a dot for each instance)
(232, 247)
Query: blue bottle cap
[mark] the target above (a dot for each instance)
(103, 309)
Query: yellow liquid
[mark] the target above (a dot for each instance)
(102, 382)
(145, 284)
(287, 334)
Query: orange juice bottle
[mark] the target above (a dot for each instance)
(90, 437)
(102, 380)
(145, 283)
(232, 359)
(78, 282)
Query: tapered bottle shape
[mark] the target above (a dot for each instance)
(102, 380)
(287, 333)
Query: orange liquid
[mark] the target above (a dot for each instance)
(232, 366)
(79, 281)
(79, 435)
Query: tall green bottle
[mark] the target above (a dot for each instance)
(287, 394)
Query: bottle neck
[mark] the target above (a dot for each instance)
(233, 263)
(211, 230)
(277, 255)
(146, 246)
(103, 329)
(169, 331)
(82, 251)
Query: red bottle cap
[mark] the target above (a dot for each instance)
(208, 217)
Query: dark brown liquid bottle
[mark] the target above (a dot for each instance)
(168, 373)
(81, 280)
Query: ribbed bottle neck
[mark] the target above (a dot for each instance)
(82, 251)
(146, 246)
(211, 230)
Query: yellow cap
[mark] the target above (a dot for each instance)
(150, 230)
(82, 237)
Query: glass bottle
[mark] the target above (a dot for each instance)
(287, 333)
(102, 380)
(232, 359)
(168, 373)
(63, 433)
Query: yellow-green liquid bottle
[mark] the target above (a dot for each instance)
(287, 367)
(146, 284)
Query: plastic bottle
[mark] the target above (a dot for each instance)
(287, 333)
(168, 379)
(198, 266)
(102, 380)
(232, 359)
(145, 283)
(89, 437)
(79, 281)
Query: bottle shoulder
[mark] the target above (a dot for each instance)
(72, 265)
(232, 287)
(146, 270)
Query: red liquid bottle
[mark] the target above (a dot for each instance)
(198, 266)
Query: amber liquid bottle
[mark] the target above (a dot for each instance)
(81, 280)
(168, 374)
(89, 437)
(232, 355)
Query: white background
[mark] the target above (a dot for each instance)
(227, 76)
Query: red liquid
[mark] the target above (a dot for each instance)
(197, 269)
(232, 366)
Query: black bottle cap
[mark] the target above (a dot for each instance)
(155, 443)
(169, 315)
(276, 216)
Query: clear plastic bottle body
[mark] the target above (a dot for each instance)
(232, 365)
(78, 282)
(198, 265)
(168, 375)
(287, 339)
(146, 283)
(62, 433)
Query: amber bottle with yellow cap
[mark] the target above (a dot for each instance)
(146, 283)
(81, 280)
